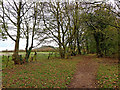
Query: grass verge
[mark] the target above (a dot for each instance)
(108, 76)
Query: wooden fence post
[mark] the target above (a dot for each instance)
(7, 61)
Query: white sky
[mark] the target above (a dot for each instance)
(9, 44)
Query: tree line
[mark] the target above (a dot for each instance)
(77, 27)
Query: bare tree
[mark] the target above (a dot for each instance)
(32, 24)
(33, 29)
(12, 15)
(56, 25)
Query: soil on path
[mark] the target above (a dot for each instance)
(85, 77)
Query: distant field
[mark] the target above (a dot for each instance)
(21, 53)
(10, 63)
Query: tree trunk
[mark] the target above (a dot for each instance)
(119, 45)
(61, 52)
(97, 37)
(16, 50)
(28, 54)
(78, 45)
(15, 54)
(87, 47)
(16, 58)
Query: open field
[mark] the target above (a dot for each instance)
(21, 53)
(9, 63)
(62, 73)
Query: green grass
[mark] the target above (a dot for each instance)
(10, 53)
(55, 73)
(52, 73)
(108, 76)
(10, 63)
(0, 68)
(7, 63)
(0, 59)
(0, 62)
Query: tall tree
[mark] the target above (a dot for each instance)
(13, 17)
(34, 29)
(98, 19)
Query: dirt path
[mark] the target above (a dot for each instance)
(85, 76)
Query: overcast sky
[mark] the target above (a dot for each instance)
(9, 44)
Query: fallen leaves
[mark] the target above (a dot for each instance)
(52, 73)
(108, 76)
